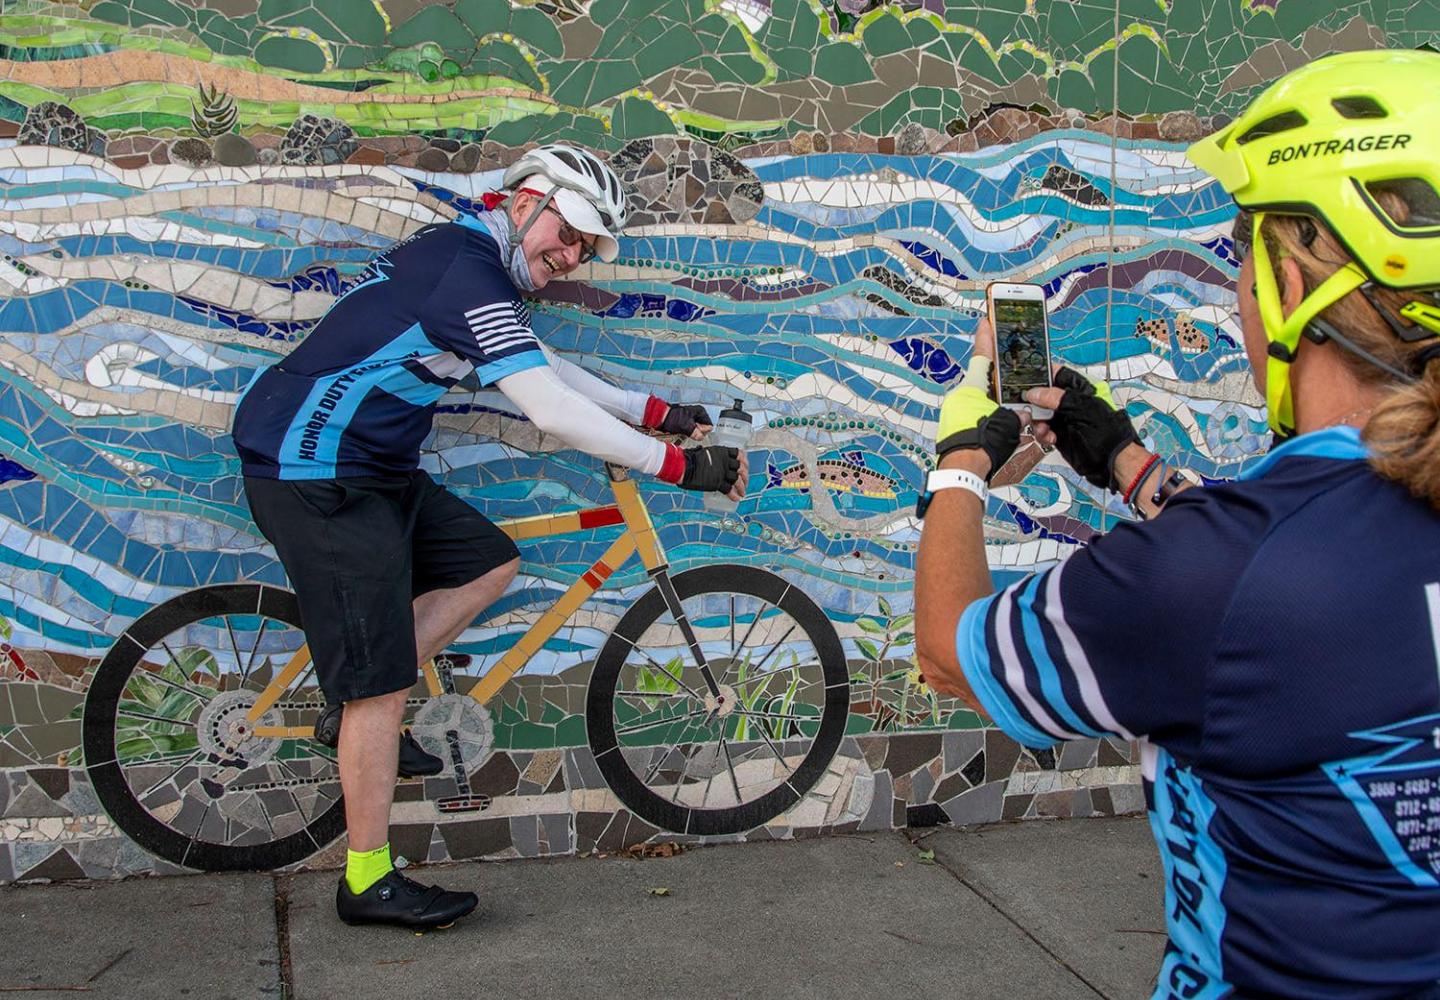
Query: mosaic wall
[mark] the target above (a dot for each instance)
(822, 191)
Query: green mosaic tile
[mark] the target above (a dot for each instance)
(484, 16)
(675, 47)
(571, 84)
(612, 78)
(922, 32)
(885, 35)
(842, 63)
(158, 12)
(438, 25)
(295, 54)
(636, 118)
(537, 31)
(503, 59)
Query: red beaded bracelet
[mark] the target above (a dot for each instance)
(1139, 478)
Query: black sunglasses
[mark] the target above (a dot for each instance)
(570, 236)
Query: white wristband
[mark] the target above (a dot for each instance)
(949, 479)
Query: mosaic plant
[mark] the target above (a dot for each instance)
(820, 193)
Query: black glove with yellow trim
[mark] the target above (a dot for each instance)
(969, 418)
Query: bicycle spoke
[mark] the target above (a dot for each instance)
(659, 722)
(735, 652)
(775, 647)
(160, 678)
(730, 764)
(130, 713)
(250, 662)
(234, 645)
(167, 777)
(774, 749)
(678, 680)
(680, 781)
(651, 694)
(765, 715)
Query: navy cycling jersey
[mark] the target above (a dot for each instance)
(1275, 645)
(357, 397)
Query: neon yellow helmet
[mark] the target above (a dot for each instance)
(1324, 141)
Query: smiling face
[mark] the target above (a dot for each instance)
(551, 246)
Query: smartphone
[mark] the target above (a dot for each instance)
(1022, 343)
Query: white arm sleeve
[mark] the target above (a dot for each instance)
(622, 403)
(555, 408)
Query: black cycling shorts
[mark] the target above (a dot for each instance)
(358, 551)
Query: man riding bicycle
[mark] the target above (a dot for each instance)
(1274, 643)
(387, 565)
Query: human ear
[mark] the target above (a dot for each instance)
(1292, 284)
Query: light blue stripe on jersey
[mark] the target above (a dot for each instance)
(1195, 871)
(1039, 654)
(312, 455)
(496, 370)
(1341, 443)
(974, 655)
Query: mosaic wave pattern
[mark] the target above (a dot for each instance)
(838, 314)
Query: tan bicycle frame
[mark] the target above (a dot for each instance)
(639, 536)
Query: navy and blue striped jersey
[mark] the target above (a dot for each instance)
(357, 396)
(1275, 645)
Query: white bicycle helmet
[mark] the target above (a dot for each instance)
(584, 189)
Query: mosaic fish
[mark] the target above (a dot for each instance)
(848, 474)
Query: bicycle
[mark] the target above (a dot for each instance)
(202, 747)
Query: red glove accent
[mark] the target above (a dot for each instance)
(655, 410)
(672, 470)
(493, 200)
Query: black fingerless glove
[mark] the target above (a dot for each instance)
(998, 435)
(712, 470)
(1089, 430)
(682, 418)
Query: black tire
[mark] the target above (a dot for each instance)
(814, 736)
(111, 772)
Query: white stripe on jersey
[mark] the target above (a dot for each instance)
(494, 309)
(499, 342)
(1015, 670)
(447, 365)
(1075, 657)
(501, 326)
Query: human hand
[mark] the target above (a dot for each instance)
(970, 418)
(1088, 428)
(688, 420)
(716, 469)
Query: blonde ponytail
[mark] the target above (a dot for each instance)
(1404, 436)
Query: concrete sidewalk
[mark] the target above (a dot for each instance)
(1069, 908)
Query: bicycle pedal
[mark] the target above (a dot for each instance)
(463, 803)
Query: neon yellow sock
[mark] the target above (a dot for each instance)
(364, 868)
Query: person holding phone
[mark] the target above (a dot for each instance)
(1273, 643)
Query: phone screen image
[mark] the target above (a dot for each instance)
(1020, 348)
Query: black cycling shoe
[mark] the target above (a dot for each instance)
(403, 902)
(415, 760)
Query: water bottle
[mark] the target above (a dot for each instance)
(733, 431)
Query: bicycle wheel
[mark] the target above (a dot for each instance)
(170, 751)
(725, 749)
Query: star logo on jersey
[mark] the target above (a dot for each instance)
(1396, 790)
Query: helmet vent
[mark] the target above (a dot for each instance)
(1274, 125)
(1409, 202)
(1359, 106)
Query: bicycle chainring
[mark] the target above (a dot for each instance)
(458, 717)
(224, 732)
